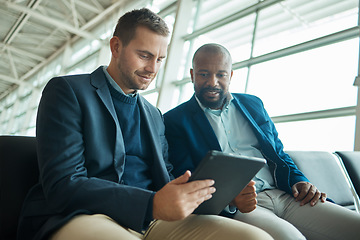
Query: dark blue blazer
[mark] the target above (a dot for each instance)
(81, 158)
(190, 136)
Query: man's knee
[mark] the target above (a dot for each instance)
(232, 229)
(205, 227)
(93, 227)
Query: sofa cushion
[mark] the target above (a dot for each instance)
(324, 171)
(18, 173)
(351, 160)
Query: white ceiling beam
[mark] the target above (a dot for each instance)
(89, 7)
(20, 22)
(74, 14)
(98, 5)
(62, 27)
(58, 12)
(42, 50)
(104, 13)
(4, 85)
(4, 12)
(25, 62)
(96, 20)
(10, 79)
(12, 65)
(51, 21)
(79, 18)
(35, 38)
(22, 52)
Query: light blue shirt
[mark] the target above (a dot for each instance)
(235, 135)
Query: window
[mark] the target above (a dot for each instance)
(309, 81)
(330, 134)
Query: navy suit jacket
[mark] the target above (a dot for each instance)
(81, 157)
(190, 136)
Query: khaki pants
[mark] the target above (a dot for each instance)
(194, 227)
(283, 218)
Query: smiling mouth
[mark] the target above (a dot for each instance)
(145, 77)
(211, 92)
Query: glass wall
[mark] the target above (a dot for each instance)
(308, 81)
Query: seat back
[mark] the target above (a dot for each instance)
(351, 160)
(324, 171)
(18, 173)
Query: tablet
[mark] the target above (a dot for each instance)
(231, 174)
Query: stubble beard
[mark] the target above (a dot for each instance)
(130, 79)
(212, 104)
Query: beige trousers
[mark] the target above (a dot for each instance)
(283, 218)
(194, 227)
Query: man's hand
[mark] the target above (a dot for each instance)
(307, 192)
(179, 198)
(246, 200)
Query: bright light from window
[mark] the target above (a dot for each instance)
(332, 134)
(310, 81)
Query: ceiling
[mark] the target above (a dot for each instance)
(32, 30)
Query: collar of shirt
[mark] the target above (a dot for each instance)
(216, 112)
(234, 135)
(115, 85)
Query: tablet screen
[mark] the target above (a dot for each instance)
(231, 174)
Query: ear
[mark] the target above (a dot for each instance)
(231, 74)
(115, 46)
(192, 75)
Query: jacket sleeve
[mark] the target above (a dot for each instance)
(286, 172)
(187, 142)
(64, 174)
(295, 174)
(165, 149)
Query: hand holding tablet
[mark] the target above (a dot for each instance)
(231, 174)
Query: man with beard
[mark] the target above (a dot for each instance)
(104, 171)
(286, 204)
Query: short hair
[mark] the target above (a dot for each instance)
(127, 24)
(212, 48)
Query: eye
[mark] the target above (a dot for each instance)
(203, 74)
(220, 75)
(159, 60)
(143, 56)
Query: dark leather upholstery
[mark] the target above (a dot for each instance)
(323, 170)
(351, 160)
(18, 173)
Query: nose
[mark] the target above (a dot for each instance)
(151, 66)
(213, 80)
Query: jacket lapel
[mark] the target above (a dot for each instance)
(247, 115)
(98, 81)
(203, 125)
(261, 136)
(152, 126)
